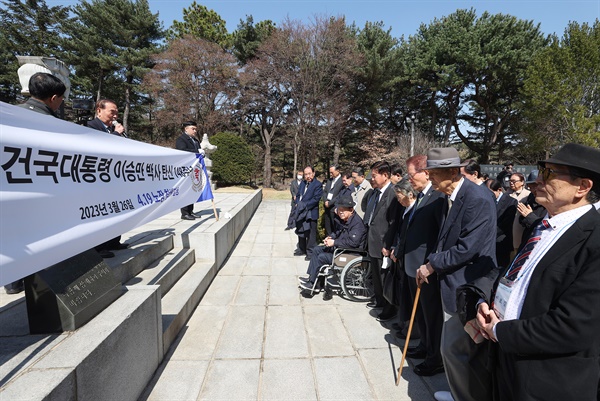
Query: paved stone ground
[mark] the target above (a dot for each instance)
(253, 337)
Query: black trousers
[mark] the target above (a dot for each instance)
(189, 209)
(378, 287)
(328, 220)
(308, 240)
(320, 256)
(429, 317)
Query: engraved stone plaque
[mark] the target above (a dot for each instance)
(68, 294)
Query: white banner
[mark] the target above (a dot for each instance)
(66, 188)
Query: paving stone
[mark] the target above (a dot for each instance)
(234, 266)
(285, 334)
(242, 336)
(252, 291)
(180, 380)
(341, 379)
(327, 335)
(288, 379)
(356, 317)
(232, 380)
(258, 266)
(199, 337)
(261, 250)
(283, 290)
(282, 266)
(221, 290)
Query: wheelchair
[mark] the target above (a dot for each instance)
(349, 275)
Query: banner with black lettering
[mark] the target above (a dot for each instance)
(65, 188)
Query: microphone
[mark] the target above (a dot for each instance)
(115, 123)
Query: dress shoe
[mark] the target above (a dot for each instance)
(423, 369)
(303, 279)
(385, 317)
(14, 290)
(327, 296)
(188, 217)
(119, 247)
(416, 352)
(443, 396)
(307, 257)
(299, 253)
(374, 305)
(106, 254)
(307, 285)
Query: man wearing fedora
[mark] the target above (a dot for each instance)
(351, 233)
(188, 141)
(465, 251)
(543, 318)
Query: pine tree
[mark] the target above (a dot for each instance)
(29, 28)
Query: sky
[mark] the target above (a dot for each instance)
(402, 16)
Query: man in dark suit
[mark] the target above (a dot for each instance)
(506, 210)
(382, 216)
(294, 185)
(47, 94)
(332, 188)
(188, 141)
(307, 212)
(465, 251)
(419, 240)
(106, 121)
(106, 118)
(544, 319)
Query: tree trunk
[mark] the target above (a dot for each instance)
(336, 151)
(267, 174)
(127, 106)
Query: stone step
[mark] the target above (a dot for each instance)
(167, 270)
(179, 303)
(144, 251)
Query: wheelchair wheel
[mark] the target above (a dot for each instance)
(357, 280)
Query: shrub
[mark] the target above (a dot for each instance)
(233, 161)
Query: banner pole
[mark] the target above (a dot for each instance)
(215, 209)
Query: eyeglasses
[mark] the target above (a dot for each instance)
(545, 173)
(515, 181)
(413, 175)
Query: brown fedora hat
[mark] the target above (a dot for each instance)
(443, 158)
(578, 156)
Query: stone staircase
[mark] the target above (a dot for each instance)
(114, 355)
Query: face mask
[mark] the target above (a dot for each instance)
(299, 177)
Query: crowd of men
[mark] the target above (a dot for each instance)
(508, 269)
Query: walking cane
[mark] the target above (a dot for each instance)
(410, 326)
(215, 209)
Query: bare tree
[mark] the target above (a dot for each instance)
(193, 79)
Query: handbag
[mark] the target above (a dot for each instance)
(392, 284)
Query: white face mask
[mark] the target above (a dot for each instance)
(299, 177)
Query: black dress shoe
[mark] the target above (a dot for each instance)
(385, 317)
(327, 296)
(307, 257)
(187, 217)
(423, 369)
(14, 290)
(373, 305)
(416, 352)
(299, 253)
(106, 254)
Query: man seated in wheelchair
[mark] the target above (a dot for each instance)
(350, 233)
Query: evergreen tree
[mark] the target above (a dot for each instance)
(28, 28)
(202, 23)
(110, 44)
(248, 37)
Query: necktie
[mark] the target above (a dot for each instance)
(449, 206)
(412, 212)
(372, 205)
(523, 255)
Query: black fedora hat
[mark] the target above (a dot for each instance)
(579, 156)
(443, 158)
(345, 201)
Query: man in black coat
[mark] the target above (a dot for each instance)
(506, 210)
(419, 240)
(332, 188)
(465, 251)
(47, 95)
(383, 213)
(188, 141)
(106, 121)
(350, 234)
(106, 118)
(306, 212)
(543, 319)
